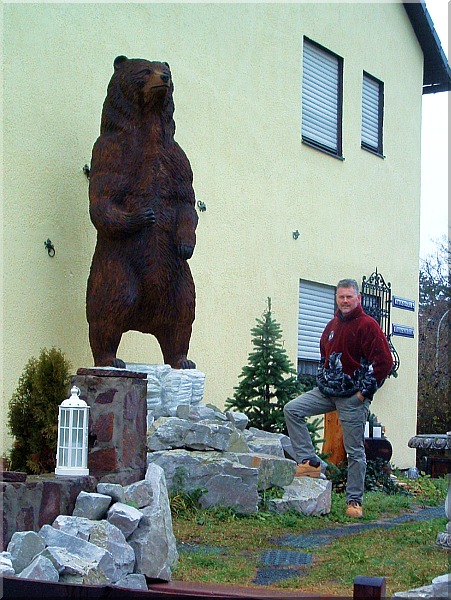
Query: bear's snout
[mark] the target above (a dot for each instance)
(164, 77)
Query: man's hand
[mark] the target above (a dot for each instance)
(360, 396)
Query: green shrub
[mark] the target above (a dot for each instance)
(432, 491)
(33, 412)
(377, 478)
(182, 501)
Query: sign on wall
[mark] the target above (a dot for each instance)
(403, 303)
(403, 331)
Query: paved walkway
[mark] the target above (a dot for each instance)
(279, 564)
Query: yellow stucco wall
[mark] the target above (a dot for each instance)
(237, 71)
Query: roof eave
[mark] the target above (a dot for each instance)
(437, 72)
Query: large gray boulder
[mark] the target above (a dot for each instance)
(103, 568)
(91, 505)
(102, 534)
(273, 471)
(193, 470)
(226, 482)
(237, 490)
(23, 547)
(114, 490)
(211, 413)
(40, 568)
(68, 564)
(201, 412)
(6, 565)
(125, 517)
(134, 581)
(153, 541)
(108, 536)
(239, 419)
(79, 526)
(264, 442)
(168, 433)
(139, 493)
(311, 497)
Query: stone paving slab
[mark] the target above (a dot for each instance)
(269, 576)
(286, 558)
(187, 548)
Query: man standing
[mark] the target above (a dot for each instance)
(355, 360)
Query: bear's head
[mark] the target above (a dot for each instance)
(137, 89)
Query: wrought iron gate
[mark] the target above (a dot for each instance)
(376, 302)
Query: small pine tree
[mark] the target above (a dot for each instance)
(269, 380)
(33, 412)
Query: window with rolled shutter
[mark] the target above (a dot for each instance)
(322, 94)
(372, 113)
(316, 309)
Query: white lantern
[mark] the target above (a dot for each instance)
(72, 449)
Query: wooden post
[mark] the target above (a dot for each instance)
(369, 588)
(333, 436)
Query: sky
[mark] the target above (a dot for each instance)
(434, 155)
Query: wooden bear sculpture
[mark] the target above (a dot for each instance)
(142, 204)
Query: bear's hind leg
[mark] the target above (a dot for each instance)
(104, 345)
(174, 346)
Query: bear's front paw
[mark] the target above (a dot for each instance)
(185, 251)
(142, 218)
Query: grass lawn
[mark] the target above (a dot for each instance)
(219, 546)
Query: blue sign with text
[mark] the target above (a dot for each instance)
(403, 303)
(403, 331)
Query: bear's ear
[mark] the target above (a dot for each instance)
(167, 64)
(119, 61)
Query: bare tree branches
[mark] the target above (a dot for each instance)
(434, 410)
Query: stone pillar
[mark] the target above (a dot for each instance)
(117, 399)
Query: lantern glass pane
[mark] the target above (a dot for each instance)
(64, 418)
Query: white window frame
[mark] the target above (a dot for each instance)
(372, 114)
(322, 98)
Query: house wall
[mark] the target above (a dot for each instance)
(237, 72)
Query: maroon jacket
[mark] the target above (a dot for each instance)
(355, 355)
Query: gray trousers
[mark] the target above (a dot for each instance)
(352, 413)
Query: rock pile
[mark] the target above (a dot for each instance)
(118, 535)
(200, 447)
(203, 448)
